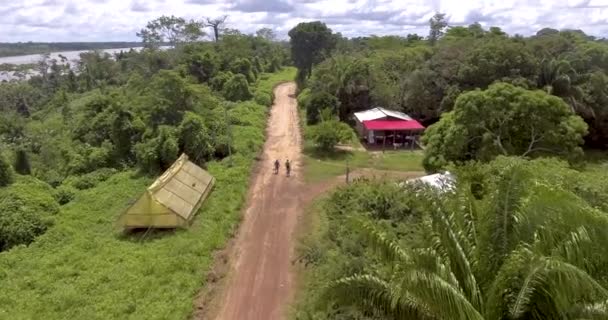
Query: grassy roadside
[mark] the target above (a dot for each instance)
(83, 268)
(320, 167)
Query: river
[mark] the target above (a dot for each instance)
(72, 56)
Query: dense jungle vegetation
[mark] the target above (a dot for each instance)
(519, 121)
(79, 144)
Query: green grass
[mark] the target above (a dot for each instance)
(267, 81)
(84, 268)
(322, 166)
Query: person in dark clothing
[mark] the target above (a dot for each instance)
(276, 166)
(288, 167)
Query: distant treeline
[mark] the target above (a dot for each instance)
(24, 48)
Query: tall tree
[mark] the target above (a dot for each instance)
(216, 24)
(170, 29)
(310, 42)
(266, 33)
(437, 24)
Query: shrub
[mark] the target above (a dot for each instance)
(217, 83)
(319, 101)
(22, 162)
(263, 98)
(26, 210)
(90, 180)
(194, 138)
(158, 153)
(328, 134)
(237, 89)
(64, 194)
(6, 172)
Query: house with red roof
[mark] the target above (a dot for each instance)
(379, 126)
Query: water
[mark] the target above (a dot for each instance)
(72, 57)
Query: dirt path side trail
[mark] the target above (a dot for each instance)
(260, 282)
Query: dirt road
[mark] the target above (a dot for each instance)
(260, 282)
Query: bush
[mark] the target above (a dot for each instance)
(328, 134)
(22, 162)
(217, 83)
(64, 194)
(90, 180)
(319, 101)
(263, 98)
(6, 173)
(158, 153)
(26, 210)
(237, 89)
(194, 138)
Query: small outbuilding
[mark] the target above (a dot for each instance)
(172, 200)
(442, 182)
(383, 126)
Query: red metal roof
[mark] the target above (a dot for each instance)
(393, 125)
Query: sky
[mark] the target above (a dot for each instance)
(119, 20)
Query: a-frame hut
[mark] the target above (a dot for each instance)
(172, 200)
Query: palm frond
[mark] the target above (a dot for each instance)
(387, 249)
(373, 294)
(443, 300)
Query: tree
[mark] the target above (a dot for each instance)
(6, 172)
(266, 34)
(437, 24)
(525, 251)
(237, 89)
(310, 42)
(328, 133)
(320, 101)
(22, 162)
(216, 24)
(194, 138)
(170, 29)
(504, 120)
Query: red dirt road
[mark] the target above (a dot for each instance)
(260, 283)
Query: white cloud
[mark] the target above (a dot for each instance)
(113, 20)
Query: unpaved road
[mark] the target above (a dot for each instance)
(260, 283)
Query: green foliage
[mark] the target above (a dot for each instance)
(22, 162)
(237, 89)
(310, 41)
(157, 153)
(320, 101)
(263, 98)
(504, 120)
(244, 67)
(194, 138)
(525, 249)
(6, 172)
(217, 83)
(64, 194)
(27, 212)
(327, 134)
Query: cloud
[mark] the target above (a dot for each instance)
(261, 6)
(139, 6)
(113, 20)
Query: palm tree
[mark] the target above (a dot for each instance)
(559, 78)
(526, 251)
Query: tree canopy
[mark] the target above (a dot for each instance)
(310, 43)
(504, 120)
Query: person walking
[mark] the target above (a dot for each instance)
(288, 167)
(276, 166)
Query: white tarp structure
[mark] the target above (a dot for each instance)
(439, 181)
(380, 113)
